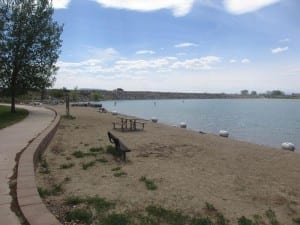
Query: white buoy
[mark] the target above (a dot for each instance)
(288, 146)
(223, 133)
(182, 125)
(154, 119)
(114, 112)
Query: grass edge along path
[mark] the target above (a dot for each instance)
(7, 118)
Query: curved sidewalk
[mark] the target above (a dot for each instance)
(13, 140)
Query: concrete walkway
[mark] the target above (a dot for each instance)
(13, 139)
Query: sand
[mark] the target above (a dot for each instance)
(189, 169)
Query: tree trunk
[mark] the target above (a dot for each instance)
(13, 92)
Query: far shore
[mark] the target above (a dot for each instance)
(189, 169)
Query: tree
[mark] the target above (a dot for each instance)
(29, 45)
(74, 94)
(253, 93)
(95, 96)
(244, 92)
(277, 93)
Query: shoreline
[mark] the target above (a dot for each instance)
(189, 169)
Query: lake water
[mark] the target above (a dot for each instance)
(262, 121)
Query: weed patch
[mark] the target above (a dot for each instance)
(270, 214)
(244, 221)
(120, 174)
(167, 216)
(297, 220)
(116, 169)
(54, 190)
(201, 221)
(99, 149)
(150, 185)
(113, 151)
(44, 167)
(102, 160)
(68, 117)
(80, 154)
(100, 204)
(85, 166)
(210, 207)
(73, 200)
(66, 165)
(80, 215)
(116, 219)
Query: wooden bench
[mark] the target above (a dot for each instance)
(120, 147)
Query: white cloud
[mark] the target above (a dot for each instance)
(279, 49)
(61, 4)
(285, 40)
(143, 52)
(179, 7)
(131, 68)
(203, 63)
(245, 6)
(107, 54)
(185, 44)
(245, 60)
(232, 60)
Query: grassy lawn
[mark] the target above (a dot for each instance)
(7, 118)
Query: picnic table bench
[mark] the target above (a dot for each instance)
(128, 124)
(121, 148)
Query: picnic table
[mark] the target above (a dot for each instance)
(128, 124)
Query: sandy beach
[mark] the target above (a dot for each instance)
(189, 169)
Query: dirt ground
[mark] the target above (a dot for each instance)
(189, 169)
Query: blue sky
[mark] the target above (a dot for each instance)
(180, 45)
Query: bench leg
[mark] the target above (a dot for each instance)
(124, 156)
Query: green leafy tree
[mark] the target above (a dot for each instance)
(74, 94)
(95, 96)
(244, 92)
(29, 45)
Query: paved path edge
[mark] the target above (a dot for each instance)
(30, 204)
